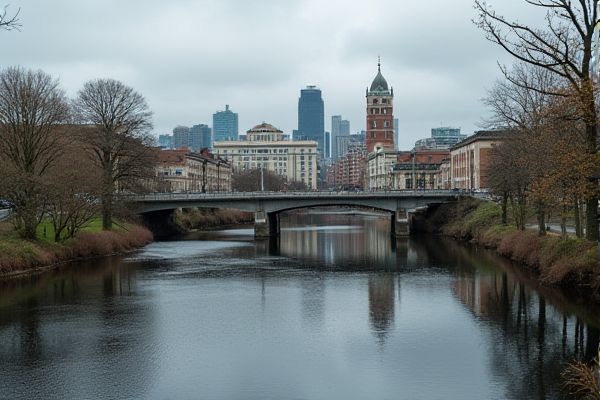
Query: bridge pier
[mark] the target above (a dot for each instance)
(401, 223)
(266, 224)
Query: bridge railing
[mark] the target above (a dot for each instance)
(315, 194)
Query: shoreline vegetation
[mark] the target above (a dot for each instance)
(570, 264)
(20, 256)
(208, 218)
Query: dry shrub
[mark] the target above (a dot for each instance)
(580, 381)
(26, 255)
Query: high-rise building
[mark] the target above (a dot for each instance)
(311, 117)
(339, 127)
(380, 118)
(327, 145)
(446, 137)
(200, 137)
(225, 125)
(165, 141)
(181, 137)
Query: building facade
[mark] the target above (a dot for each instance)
(339, 128)
(311, 117)
(267, 147)
(200, 137)
(181, 137)
(470, 160)
(348, 171)
(379, 169)
(380, 118)
(165, 141)
(225, 126)
(182, 171)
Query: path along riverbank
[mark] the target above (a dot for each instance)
(570, 263)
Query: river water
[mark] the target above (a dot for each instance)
(334, 309)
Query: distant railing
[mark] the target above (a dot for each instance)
(291, 194)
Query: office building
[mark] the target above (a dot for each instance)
(339, 128)
(200, 137)
(181, 137)
(470, 160)
(165, 141)
(267, 147)
(225, 125)
(311, 117)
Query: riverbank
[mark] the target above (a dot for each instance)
(19, 256)
(570, 263)
(209, 218)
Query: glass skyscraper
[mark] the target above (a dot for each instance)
(225, 125)
(200, 137)
(311, 117)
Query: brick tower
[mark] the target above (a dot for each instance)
(380, 116)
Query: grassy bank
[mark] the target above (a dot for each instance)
(207, 218)
(17, 254)
(571, 262)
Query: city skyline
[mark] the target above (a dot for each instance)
(439, 79)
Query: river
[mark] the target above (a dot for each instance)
(333, 309)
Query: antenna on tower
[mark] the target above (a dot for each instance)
(379, 63)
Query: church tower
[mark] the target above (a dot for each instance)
(380, 117)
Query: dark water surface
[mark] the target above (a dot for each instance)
(334, 309)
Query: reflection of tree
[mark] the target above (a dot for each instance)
(76, 322)
(530, 337)
(381, 304)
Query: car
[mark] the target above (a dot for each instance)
(5, 203)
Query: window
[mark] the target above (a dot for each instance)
(375, 101)
(374, 124)
(384, 101)
(385, 125)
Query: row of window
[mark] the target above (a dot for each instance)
(262, 151)
(379, 111)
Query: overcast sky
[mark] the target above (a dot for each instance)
(190, 58)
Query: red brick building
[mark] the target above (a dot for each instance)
(380, 117)
(470, 159)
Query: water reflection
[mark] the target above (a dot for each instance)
(381, 304)
(334, 308)
(53, 325)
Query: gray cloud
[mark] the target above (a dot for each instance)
(190, 58)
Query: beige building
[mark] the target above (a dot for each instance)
(379, 169)
(470, 159)
(266, 147)
(426, 176)
(181, 171)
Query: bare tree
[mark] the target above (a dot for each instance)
(253, 180)
(564, 48)
(9, 22)
(71, 190)
(117, 137)
(32, 111)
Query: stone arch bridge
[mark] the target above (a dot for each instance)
(157, 208)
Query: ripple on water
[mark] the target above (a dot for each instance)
(182, 249)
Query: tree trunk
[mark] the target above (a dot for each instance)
(504, 208)
(578, 230)
(563, 222)
(107, 200)
(541, 217)
(591, 220)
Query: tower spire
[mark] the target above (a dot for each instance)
(379, 63)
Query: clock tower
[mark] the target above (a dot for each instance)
(380, 117)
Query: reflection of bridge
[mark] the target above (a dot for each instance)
(267, 206)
